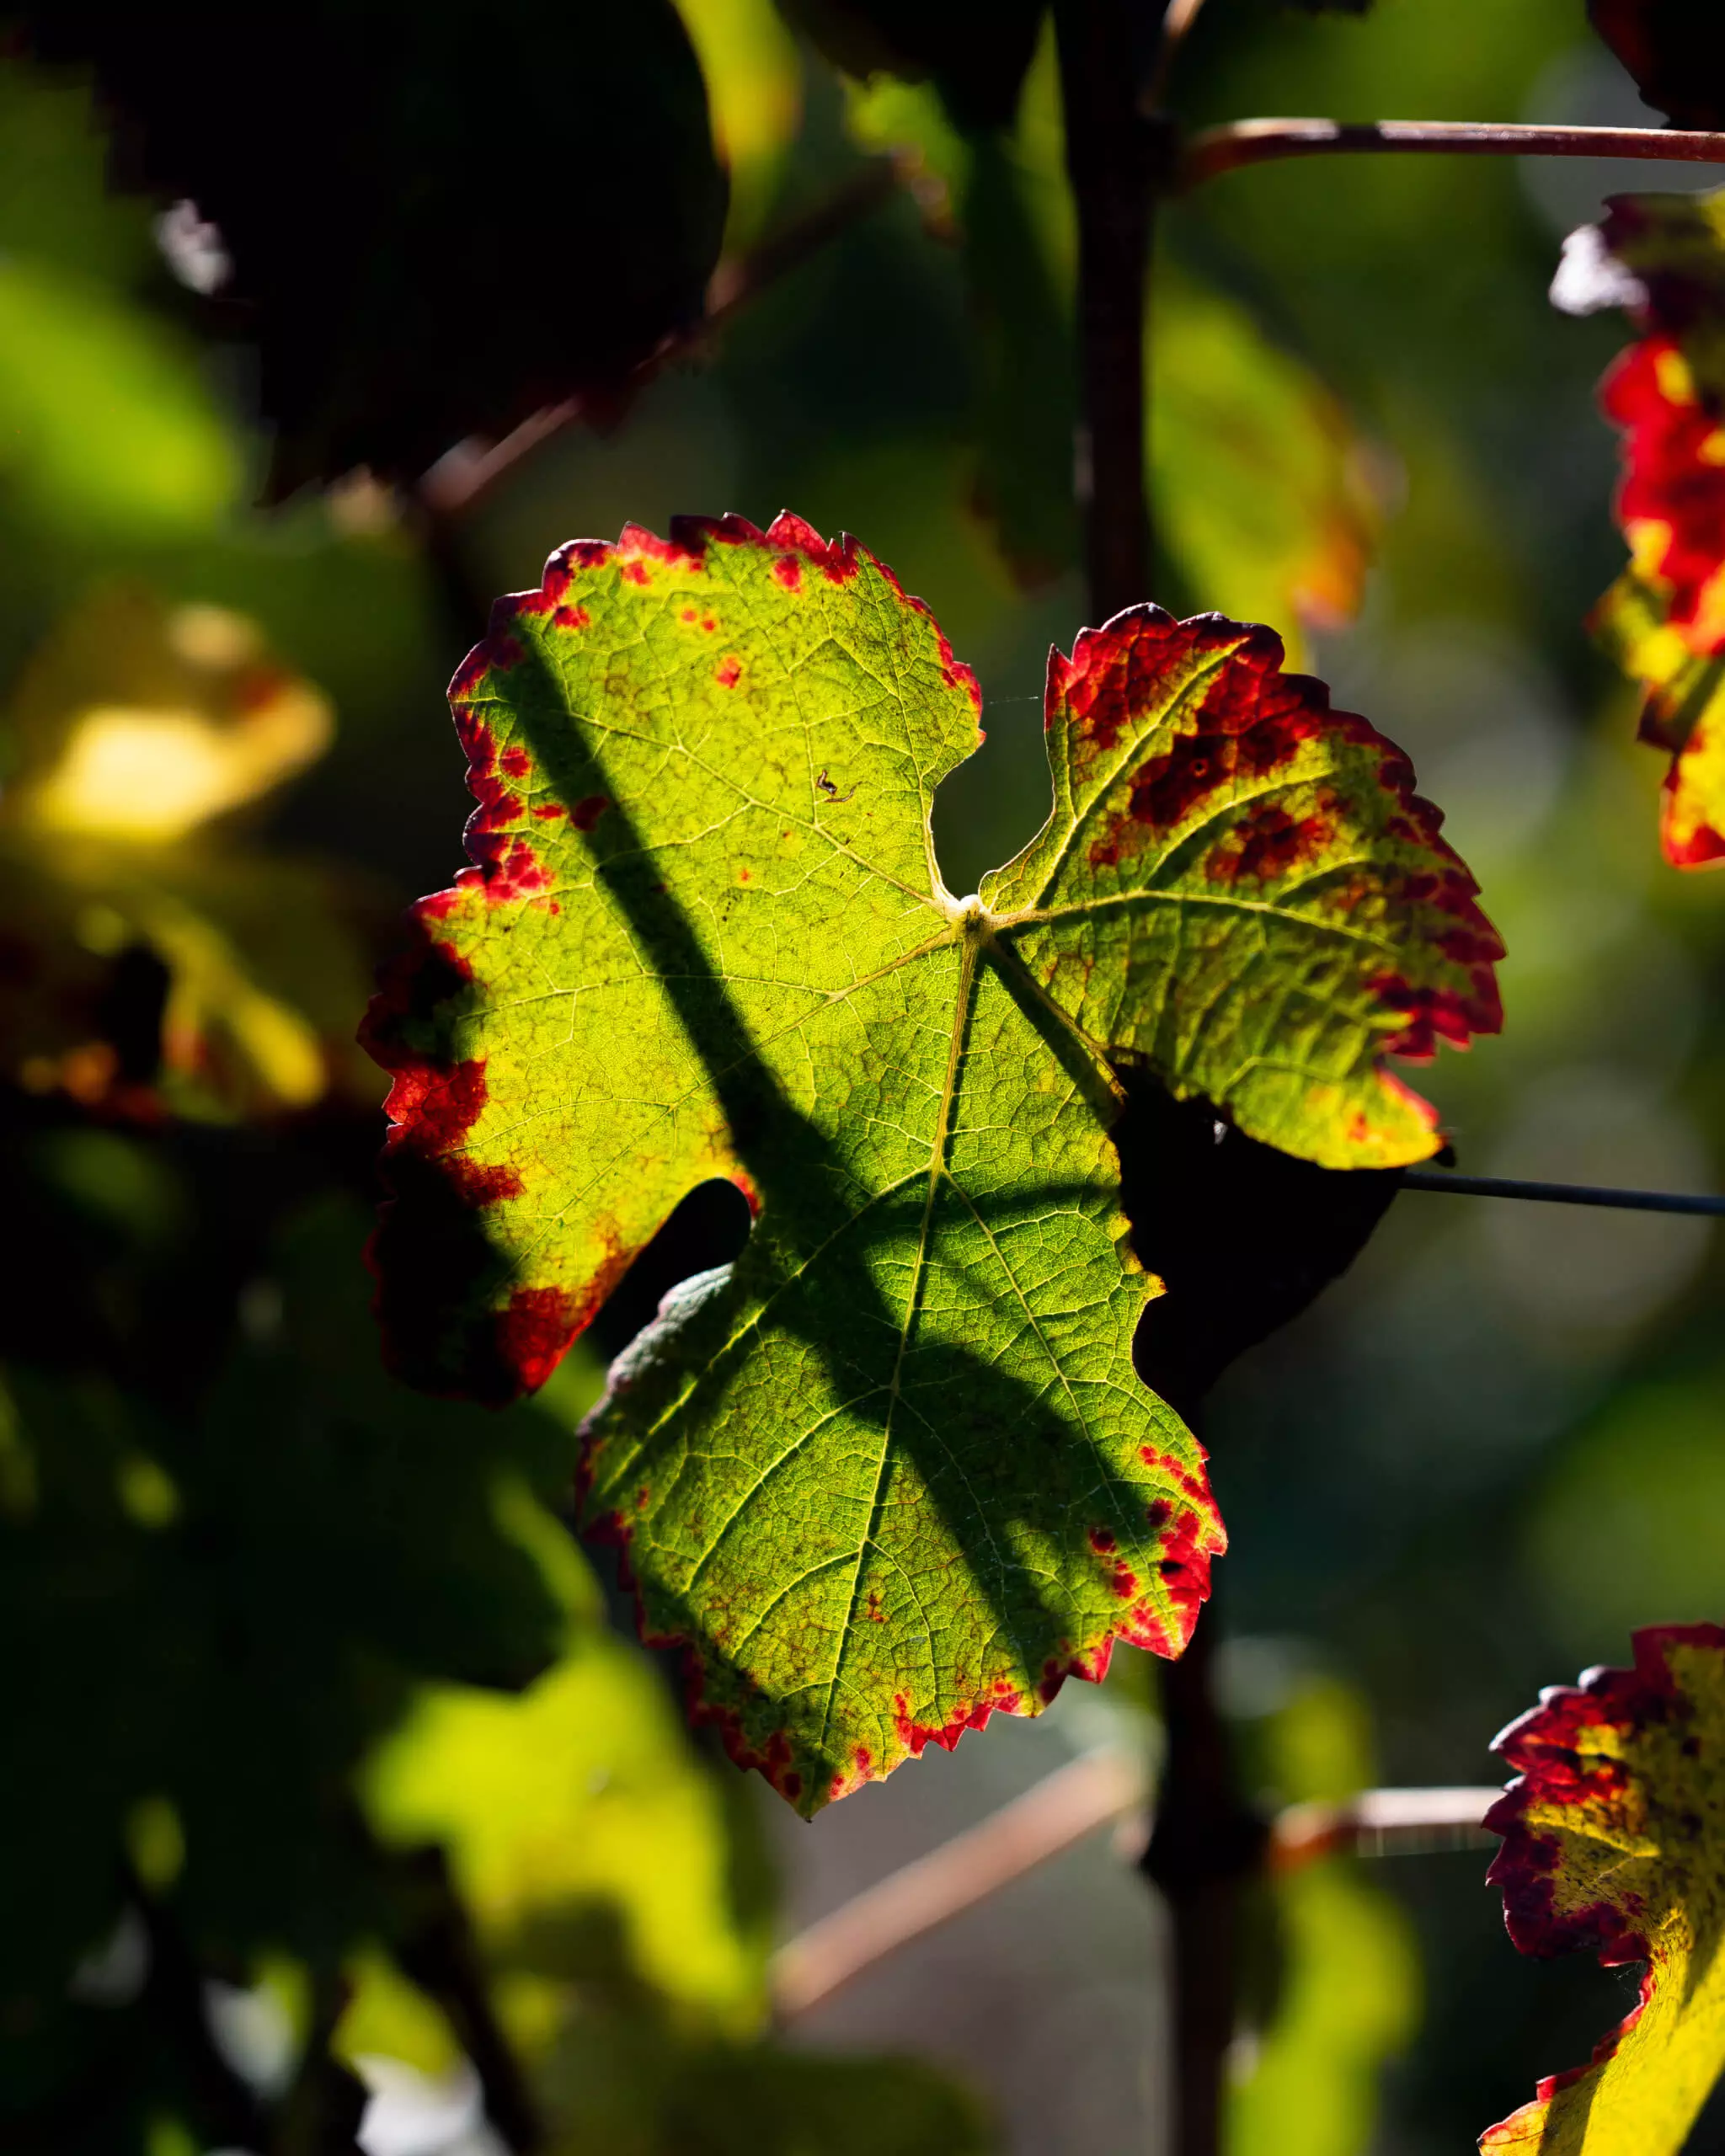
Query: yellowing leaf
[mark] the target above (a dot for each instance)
(892, 1471)
(148, 970)
(142, 723)
(1612, 1840)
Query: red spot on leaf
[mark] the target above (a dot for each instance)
(728, 672)
(547, 812)
(586, 813)
(787, 570)
(636, 572)
(1266, 844)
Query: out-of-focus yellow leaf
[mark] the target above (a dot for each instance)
(387, 2017)
(754, 95)
(140, 722)
(106, 424)
(133, 727)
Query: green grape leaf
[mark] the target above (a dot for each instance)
(890, 1472)
(1663, 620)
(1611, 1845)
(1675, 51)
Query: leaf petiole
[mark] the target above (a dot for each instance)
(1217, 150)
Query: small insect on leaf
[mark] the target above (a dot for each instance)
(892, 1470)
(1613, 1843)
(1663, 620)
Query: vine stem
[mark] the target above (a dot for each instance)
(1113, 155)
(1242, 142)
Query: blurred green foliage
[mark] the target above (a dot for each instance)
(1337, 1974)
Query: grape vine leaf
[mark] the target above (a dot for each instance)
(345, 280)
(1663, 620)
(1611, 1843)
(1675, 51)
(889, 1472)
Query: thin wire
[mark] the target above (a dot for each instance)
(1563, 1193)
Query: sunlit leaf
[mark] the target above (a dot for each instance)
(596, 1863)
(348, 279)
(1663, 620)
(1612, 1838)
(892, 1472)
(1674, 49)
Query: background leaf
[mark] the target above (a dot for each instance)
(1611, 1846)
(1664, 618)
(148, 968)
(1674, 49)
(343, 278)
